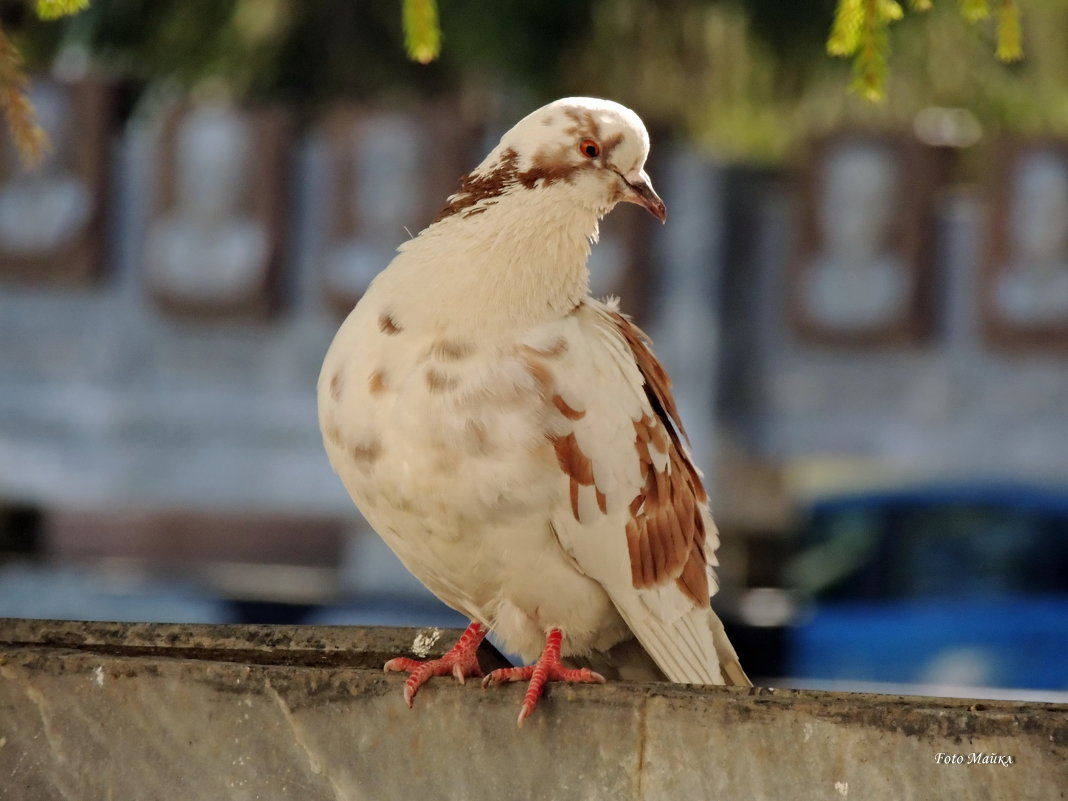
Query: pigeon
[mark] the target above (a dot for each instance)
(515, 441)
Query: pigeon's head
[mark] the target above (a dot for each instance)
(598, 146)
(593, 150)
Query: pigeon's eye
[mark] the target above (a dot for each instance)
(589, 148)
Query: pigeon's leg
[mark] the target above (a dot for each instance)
(547, 668)
(461, 661)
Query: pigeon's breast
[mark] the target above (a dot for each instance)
(443, 443)
(446, 444)
(438, 425)
(467, 437)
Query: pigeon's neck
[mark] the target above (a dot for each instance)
(506, 266)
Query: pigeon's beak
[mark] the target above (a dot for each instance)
(641, 193)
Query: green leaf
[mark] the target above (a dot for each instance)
(890, 10)
(1010, 47)
(845, 31)
(974, 10)
(920, 5)
(54, 9)
(870, 64)
(422, 32)
(31, 142)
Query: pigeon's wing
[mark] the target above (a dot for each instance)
(633, 513)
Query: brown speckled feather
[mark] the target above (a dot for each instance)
(666, 538)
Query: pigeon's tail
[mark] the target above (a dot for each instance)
(630, 661)
(729, 666)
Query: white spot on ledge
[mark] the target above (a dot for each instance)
(98, 675)
(425, 641)
(842, 788)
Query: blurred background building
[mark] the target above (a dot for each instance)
(864, 308)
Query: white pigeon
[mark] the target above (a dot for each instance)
(515, 441)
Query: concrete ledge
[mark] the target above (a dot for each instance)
(101, 711)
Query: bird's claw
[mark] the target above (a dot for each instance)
(461, 661)
(462, 671)
(546, 670)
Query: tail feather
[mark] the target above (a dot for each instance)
(729, 666)
(692, 650)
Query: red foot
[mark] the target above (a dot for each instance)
(461, 661)
(548, 668)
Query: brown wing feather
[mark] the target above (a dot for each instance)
(657, 381)
(666, 536)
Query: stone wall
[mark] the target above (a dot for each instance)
(137, 711)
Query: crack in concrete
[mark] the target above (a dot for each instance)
(643, 733)
(315, 762)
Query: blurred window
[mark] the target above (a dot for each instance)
(952, 550)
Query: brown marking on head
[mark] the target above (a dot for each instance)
(449, 350)
(584, 123)
(387, 325)
(475, 188)
(608, 145)
(366, 452)
(551, 165)
(336, 383)
(377, 383)
(437, 381)
(566, 410)
(555, 163)
(586, 126)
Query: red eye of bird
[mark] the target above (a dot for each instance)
(589, 148)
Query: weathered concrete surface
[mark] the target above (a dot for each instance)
(92, 711)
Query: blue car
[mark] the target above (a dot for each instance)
(950, 586)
